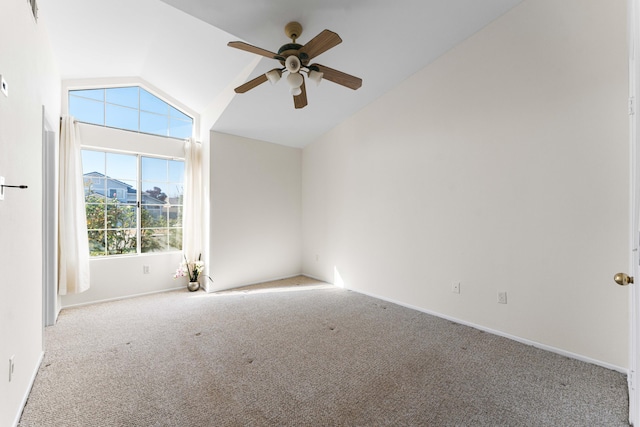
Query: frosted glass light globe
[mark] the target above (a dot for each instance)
(295, 79)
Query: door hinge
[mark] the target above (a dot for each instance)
(632, 106)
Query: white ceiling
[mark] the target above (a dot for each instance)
(180, 46)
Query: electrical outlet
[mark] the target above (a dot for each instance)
(145, 269)
(502, 297)
(11, 367)
(455, 287)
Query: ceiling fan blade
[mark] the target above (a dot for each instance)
(300, 101)
(251, 84)
(320, 44)
(253, 49)
(344, 79)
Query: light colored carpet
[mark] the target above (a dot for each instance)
(302, 356)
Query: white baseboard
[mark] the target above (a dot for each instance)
(314, 278)
(123, 297)
(28, 391)
(502, 334)
(209, 289)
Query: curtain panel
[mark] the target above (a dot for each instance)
(192, 206)
(73, 241)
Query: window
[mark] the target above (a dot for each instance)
(120, 218)
(117, 193)
(129, 108)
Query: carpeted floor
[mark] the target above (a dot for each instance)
(306, 354)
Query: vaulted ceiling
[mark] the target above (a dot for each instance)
(180, 46)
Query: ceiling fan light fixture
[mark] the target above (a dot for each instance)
(315, 76)
(292, 63)
(295, 80)
(273, 76)
(295, 91)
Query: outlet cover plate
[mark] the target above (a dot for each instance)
(502, 297)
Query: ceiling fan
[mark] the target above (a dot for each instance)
(294, 59)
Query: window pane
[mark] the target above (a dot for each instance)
(176, 171)
(175, 239)
(173, 112)
(175, 215)
(152, 103)
(154, 193)
(122, 167)
(97, 94)
(96, 211)
(180, 128)
(86, 110)
(120, 215)
(92, 161)
(122, 191)
(154, 169)
(121, 241)
(122, 117)
(174, 193)
(154, 240)
(153, 216)
(125, 96)
(154, 124)
(94, 184)
(97, 245)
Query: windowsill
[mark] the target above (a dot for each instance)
(129, 256)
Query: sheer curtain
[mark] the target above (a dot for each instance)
(192, 209)
(73, 242)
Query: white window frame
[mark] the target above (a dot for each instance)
(139, 111)
(126, 142)
(115, 82)
(139, 205)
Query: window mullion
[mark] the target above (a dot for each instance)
(139, 205)
(106, 215)
(139, 109)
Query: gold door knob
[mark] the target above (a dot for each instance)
(623, 279)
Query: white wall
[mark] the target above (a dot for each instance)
(503, 165)
(122, 276)
(27, 65)
(255, 211)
